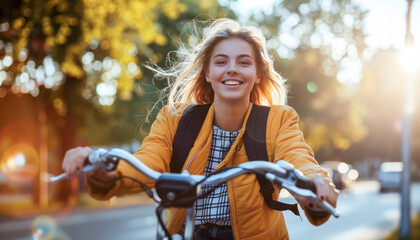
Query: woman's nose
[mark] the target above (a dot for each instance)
(232, 69)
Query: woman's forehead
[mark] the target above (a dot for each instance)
(233, 47)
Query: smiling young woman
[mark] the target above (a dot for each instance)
(231, 70)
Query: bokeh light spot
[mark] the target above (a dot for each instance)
(312, 87)
(20, 163)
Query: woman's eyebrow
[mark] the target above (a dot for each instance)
(226, 56)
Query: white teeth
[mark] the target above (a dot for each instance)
(232, 83)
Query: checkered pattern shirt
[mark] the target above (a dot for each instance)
(214, 208)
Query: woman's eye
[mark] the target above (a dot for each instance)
(220, 62)
(244, 63)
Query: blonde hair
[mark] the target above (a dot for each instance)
(190, 85)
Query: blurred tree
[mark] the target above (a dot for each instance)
(382, 90)
(63, 31)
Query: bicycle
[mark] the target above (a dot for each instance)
(181, 190)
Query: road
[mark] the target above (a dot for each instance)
(365, 215)
(124, 223)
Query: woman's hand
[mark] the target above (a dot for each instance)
(74, 161)
(325, 191)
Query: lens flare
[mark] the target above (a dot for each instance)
(20, 163)
(44, 227)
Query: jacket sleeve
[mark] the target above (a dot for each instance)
(155, 152)
(290, 146)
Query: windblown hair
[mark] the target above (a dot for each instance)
(190, 85)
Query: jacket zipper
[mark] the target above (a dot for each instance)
(195, 155)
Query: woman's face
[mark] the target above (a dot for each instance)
(232, 71)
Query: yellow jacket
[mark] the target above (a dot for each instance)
(251, 218)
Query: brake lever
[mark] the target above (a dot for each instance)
(97, 159)
(63, 175)
(306, 193)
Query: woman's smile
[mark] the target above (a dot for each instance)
(232, 82)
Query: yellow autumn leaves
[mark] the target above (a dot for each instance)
(119, 26)
(122, 25)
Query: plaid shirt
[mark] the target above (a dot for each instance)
(214, 208)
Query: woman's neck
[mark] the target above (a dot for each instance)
(229, 117)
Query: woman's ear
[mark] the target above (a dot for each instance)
(257, 78)
(207, 76)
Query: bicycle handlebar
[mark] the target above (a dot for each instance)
(281, 173)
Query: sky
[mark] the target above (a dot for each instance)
(385, 23)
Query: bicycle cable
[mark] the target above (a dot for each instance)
(146, 189)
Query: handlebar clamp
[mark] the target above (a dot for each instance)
(176, 190)
(100, 159)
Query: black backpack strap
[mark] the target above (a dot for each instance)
(255, 146)
(188, 128)
(254, 138)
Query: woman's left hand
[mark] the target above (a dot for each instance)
(325, 191)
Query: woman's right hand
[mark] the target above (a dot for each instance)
(74, 161)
